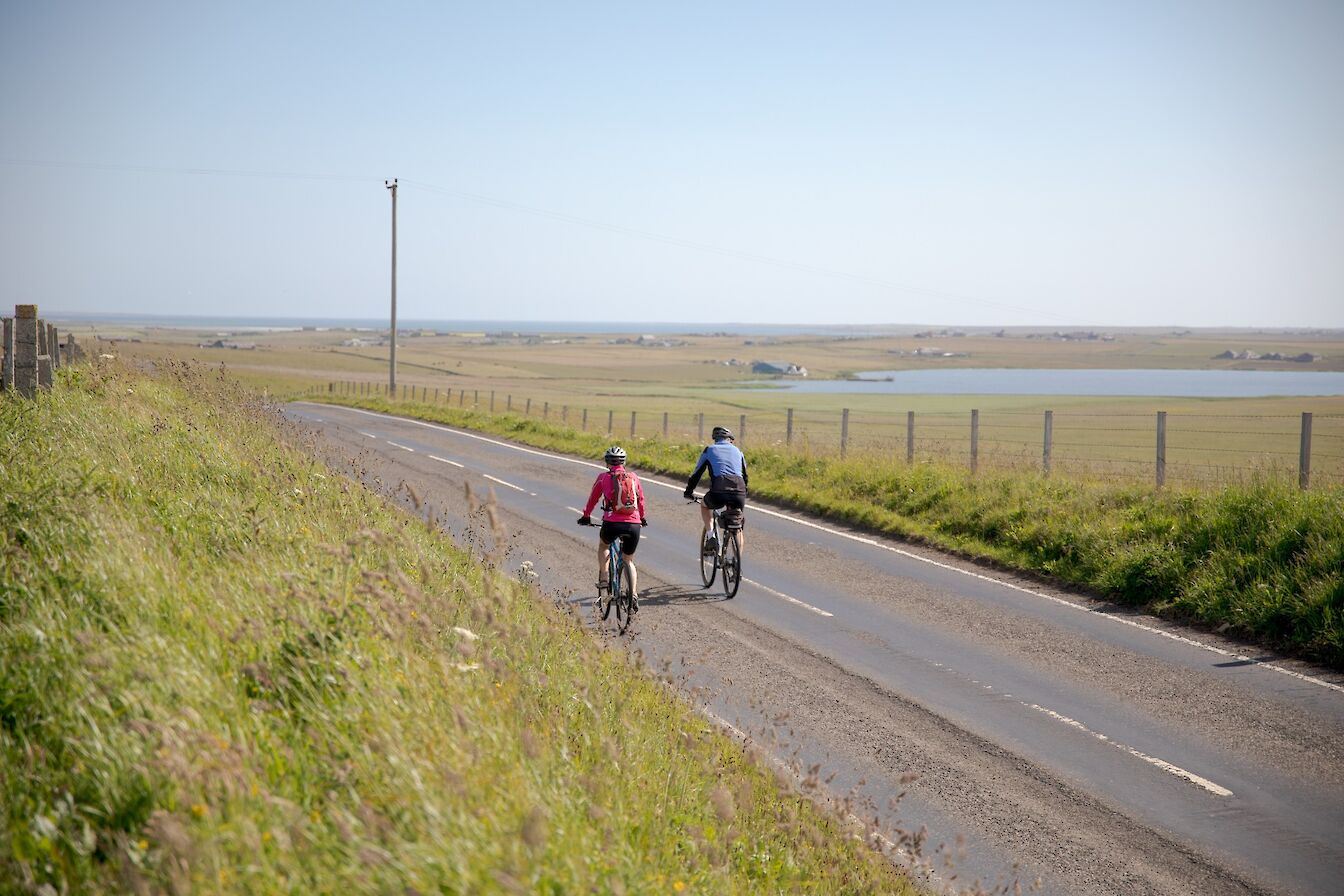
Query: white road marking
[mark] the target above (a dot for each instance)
(1216, 789)
(398, 445)
(782, 596)
(1309, 679)
(502, 482)
(367, 435)
(444, 460)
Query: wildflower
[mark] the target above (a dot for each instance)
(678, 886)
(142, 845)
(198, 809)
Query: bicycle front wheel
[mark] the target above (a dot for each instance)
(732, 564)
(624, 599)
(709, 563)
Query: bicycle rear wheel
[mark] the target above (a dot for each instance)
(709, 563)
(732, 564)
(624, 598)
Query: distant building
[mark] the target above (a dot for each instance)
(778, 368)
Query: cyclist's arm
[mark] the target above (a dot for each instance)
(639, 495)
(594, 496)
(744, 471)
(699, 471)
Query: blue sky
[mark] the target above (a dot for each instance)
(1061, 163)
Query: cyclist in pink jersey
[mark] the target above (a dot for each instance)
(622, 497)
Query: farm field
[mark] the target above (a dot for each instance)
(668, 381)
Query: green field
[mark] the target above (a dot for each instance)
(226, 669)
(559, 377)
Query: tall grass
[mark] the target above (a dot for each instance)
(223, 669)
(1259, 559)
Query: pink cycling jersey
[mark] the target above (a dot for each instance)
(604, 490)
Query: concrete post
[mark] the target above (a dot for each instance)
(54, 346)
(25, 350)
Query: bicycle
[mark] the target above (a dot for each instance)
(726, 554)
(620, 588)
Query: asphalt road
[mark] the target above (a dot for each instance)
(1025, 732)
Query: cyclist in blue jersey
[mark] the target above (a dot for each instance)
(727, 468)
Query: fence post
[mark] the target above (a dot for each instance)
(664, 426)
(1049, 441)
(909, 437)
(25, 350)
(508, 403)
(611, 416)
(788, 430)
(7, 376)
(492, 401)
(564, 414)
(546, 410)
(844, 431)
(975, 439)
(1304, 454)
(461, 397)
(701, 436)
(632, 424)
(527, 410)
(54, 346)
(475, 398)
(585, 419)
(742, 428)
(1161, 448)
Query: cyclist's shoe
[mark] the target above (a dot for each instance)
(634, 604)
(603, 585)
(601, 603)
(711, 546)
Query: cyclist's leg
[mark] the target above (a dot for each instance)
(629, 543)
(604, 539)
(708, 505)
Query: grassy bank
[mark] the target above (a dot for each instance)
(223, 669)
(1264, 560)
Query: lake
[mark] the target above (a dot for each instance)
(1147, 383)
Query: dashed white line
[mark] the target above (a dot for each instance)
(399, 445)
(782, 596)
(444, 460)
(502, 482)
(1216, 789)
(367, 435)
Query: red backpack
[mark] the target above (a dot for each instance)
(624, 491)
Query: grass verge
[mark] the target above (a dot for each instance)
(1263, 561)
(224, 670)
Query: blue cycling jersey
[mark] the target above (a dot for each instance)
(726, 465)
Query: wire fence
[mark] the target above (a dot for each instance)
(1158, 448)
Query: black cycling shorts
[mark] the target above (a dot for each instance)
(628, 533)
(715, 500)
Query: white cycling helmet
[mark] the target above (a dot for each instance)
(615, 456)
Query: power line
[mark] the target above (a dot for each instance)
(632, 232)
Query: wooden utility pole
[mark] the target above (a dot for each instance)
(392, 363)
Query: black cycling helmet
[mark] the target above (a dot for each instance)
(721, 432)
(615, 456)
